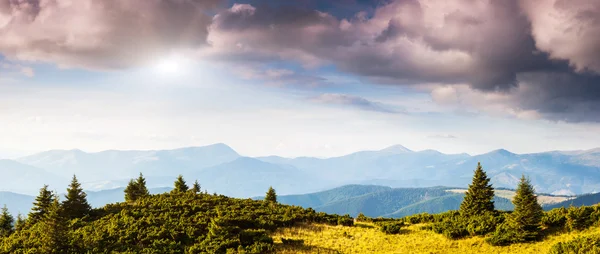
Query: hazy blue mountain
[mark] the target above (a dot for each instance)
(16, 203)
(564, 173)
(114, 164)
(223, 170)
(248, 177)
(18, 177)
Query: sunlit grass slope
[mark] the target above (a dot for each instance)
(367, 238)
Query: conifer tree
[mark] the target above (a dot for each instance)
(75, 204)
(142, 190)
(180, 185)
(479, 197)
(41, 205)
(527, 215)
(196, 187)
(271, 195)
(136, 189)
(6, 222)
(54, 227)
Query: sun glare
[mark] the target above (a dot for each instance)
(172, 66)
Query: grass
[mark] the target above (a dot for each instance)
(364, 238)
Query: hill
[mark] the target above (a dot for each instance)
(582, 200)
(376, 201)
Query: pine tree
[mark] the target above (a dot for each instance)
(271, 195)
(6, 223)
(41, 205)
(54, 227)
(136, 189)
(142, 190)
(480, 195)
(75, 204)
(196, 187)
(527, 215)
(180, 185)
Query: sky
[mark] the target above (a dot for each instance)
(299, 78)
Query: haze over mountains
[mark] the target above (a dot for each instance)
(220, 169)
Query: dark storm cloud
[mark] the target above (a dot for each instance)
(498, 47)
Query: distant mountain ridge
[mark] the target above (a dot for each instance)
(221, 169)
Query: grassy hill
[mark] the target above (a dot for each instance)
(366, 238)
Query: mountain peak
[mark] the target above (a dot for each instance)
(396, 149)
(502, 152)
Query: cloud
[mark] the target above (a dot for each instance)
(522, 58)
(18, 68)
(501, 51)
(354, 101)
(108, 34)
(442, 136)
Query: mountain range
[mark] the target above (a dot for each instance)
(221, 169)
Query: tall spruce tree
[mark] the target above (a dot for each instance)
(75, 204)
(196, 187)
(271, 195)
(527, 216)
(6, 222)
(142, 190)
(180, 185)
(41, 205)
(55, 229)
(479, 197)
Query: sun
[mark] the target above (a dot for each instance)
(172, 65)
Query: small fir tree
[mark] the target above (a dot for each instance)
(479, 197)
(271, 195)
(75, 204)
(527, 216)
(136, 189)
(41, 205)
(6, 223)
(20, 222)
(196, 187)
(180, 185)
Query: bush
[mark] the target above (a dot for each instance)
(392, 228)
(555, 218)
(361, 217)
(345, 220)
(455, 227)
(504, 235)
(579, 218)
(579, 245)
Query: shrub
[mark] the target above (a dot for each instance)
(579, 245)
(361, 217)
(392, 228)
(555, 218)
(504, 235)
(579, 218)
(345, 220)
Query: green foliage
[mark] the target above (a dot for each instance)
(20, 222)
(76, 204)
(579, 218)
(293, 242)
(165, 223)
(456, 227)
(555, 218)
(479, 197)
(579, 245)
(136, 189)
(361, 217)
(180, 185)
(392, 228)
(345, 220)
(271, 195)
(6, 223)
(526, 219)
(41, 205)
